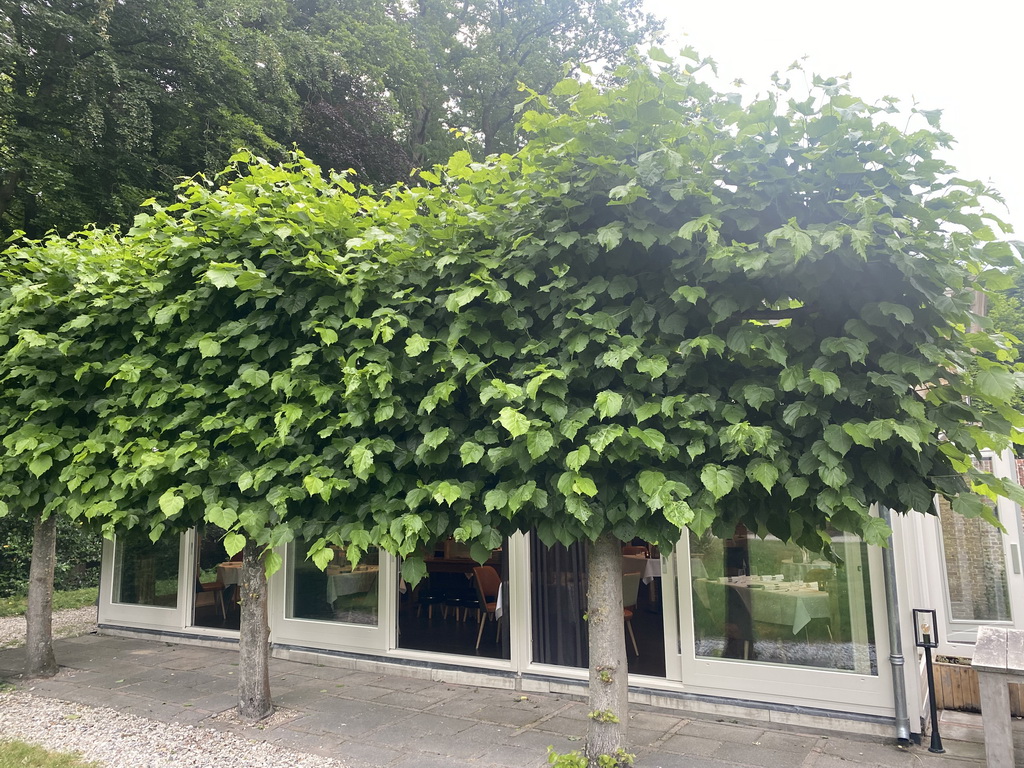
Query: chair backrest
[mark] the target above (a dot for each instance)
(633, 549)
(487, 583)
(630, 588)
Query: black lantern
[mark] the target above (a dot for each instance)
(926, 636)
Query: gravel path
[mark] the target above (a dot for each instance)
(77, 621)
(119, 740)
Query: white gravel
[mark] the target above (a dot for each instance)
(77, 621)
(119, 740)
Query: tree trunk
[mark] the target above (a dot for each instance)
(606, 734)
(40, 661)
(254, 702)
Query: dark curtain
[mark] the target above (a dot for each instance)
(558, 586)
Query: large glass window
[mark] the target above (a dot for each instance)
(460, 607)
(217, 577)
(344, 593)
(762, 600)
(146, 573)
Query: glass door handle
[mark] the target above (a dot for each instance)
(1015, 557)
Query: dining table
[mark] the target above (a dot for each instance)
(768, 600)
(229, 573)
(357, 581)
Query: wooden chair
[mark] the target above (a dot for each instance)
(487, 582)
(209, 594)
(823, 578)
(630, 588)
(633, 549)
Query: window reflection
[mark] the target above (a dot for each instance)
(344, 592)
(767, 601)
(146, 573)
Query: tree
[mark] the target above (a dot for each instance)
(479, 52)
(225, 406)
(50, 293)
(671, 311)
(107, 104)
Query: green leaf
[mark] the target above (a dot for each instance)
(170, 503)
(471, 452)
(539, 442)
(827, 380)
(447, 492)
(209, 347)
(651, 481)
(495, 499)
(436, 437)
(328, 336)
(652, 438)
(796, 487)
(514, 421)
(222, 517)
(40, 464)
(610, 235)
(997, 383)
(413, 570)
(221, 278)
(608, 403)
(576, 459)
(654, 366)
(312, 484)
(875, 532)
(255, 376)
(234, 543)
(4, 509)
(717, 480)
(584, 486)
(763, 472)
(361, 459)
(416, 345)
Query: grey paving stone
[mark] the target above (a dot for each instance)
(566, 726)
(722, 731)
(684, 744)
(755, 754)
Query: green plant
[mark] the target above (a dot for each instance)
(576, 759)
(603, 716)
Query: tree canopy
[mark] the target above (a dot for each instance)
(104, 104)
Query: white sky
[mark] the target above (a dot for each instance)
(966, 58)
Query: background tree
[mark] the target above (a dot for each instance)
(480, 51)
(106, 104)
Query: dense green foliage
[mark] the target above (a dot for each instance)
(666, 311)
(78, 555)
(105, 104)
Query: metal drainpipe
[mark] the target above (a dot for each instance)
(896, 660)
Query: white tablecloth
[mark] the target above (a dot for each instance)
(229, 573)
(351, 583)
(787, 604)
(652, 570)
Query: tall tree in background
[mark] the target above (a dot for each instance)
(483, 49)
(105, 104)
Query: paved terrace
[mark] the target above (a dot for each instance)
(376, 720)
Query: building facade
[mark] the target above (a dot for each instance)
(742, 627)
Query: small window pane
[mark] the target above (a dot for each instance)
(342, 593)
(975, 567)
(146, 573)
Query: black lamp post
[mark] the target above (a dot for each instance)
(926, 636)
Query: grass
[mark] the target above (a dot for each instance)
(18, 754)
(75, 598)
